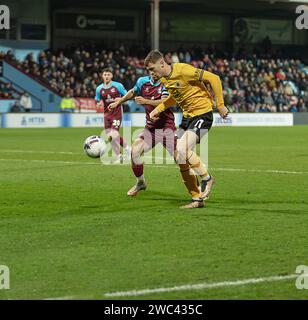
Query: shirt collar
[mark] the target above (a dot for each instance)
(154, 84)
(108, 85)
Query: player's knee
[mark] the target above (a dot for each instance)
(135, 153)
(180, 155)
(113, 135)
(136, 157)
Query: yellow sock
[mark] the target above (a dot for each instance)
(197, 165)
(190, 180)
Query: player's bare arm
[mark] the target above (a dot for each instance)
(99, 104)
(223, 112)
(154, 103)
(128, 96)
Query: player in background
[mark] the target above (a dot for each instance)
(106, 93)
(150, 93)
(195, 91)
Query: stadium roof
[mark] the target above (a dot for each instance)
(225, 6)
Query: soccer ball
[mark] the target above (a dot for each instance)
(94, 146)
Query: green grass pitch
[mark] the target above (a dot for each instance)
(67, 227)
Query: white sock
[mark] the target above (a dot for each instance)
(206, 178)
(196, 199)
(141, 178)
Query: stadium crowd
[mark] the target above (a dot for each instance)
(251, 82)
(7, 91)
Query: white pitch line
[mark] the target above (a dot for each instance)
(261, 171)
(148, 157)
(51, 161)
(189, 287)
(200, 286)
(62, 298)
(38, 151)
(239, 169)
(160, 166)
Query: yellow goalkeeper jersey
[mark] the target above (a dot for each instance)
(187, 88)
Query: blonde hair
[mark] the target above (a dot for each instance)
(153, 56)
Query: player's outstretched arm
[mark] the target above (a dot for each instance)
(154, 103)
(215, 82)
(128, 96)
(169, 102)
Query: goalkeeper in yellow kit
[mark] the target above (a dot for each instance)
(192, 89)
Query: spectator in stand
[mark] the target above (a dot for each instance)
(175, 58)
(7, 91)
(25, 102)
(68, 103)
(302, 106)
(15, 107)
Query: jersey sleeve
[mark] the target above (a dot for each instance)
(166, 104)
(164, 93)
(121, 89)
(216, 85)
(191, 73)
(137, 87)
(119, 86)
(97, 94)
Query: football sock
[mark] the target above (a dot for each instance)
(206, 178)
(197, 199)
(128, 151)
(190, 180)
(115, 147)
(198, 166)
(138, 171)
(123, 143)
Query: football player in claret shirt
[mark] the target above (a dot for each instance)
(196, 92)
(149, 92)
(106, 93)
